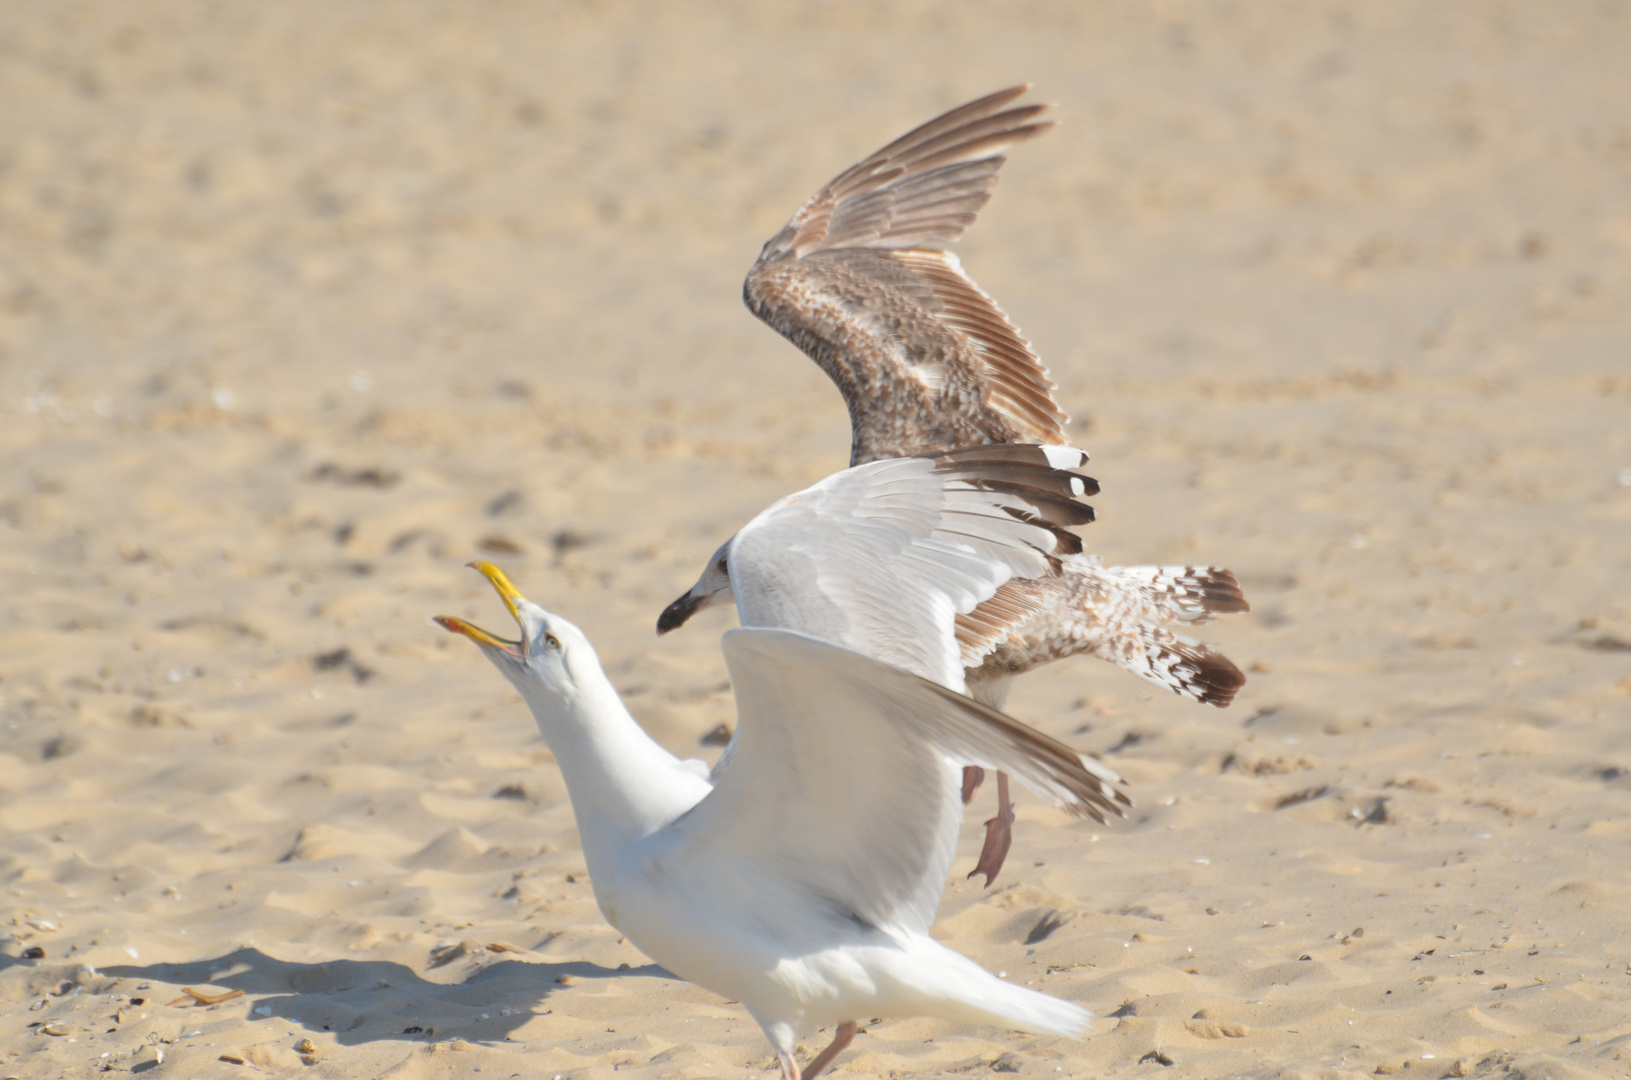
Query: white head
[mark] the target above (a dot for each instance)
(623, 785)
(552, 655)
(713, 587)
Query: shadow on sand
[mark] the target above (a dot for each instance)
(366, 1001)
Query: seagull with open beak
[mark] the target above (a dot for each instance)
(801, 879)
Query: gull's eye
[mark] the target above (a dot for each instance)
(720, 566)
(552, 642)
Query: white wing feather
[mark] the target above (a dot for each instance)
(841, 786)
(883, 557)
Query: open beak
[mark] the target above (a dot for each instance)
(509, 594)
(675, 614)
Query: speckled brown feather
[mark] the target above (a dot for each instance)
(924, 359)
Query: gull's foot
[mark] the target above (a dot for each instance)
(841, 1038)
(973, 777)
(999, 834)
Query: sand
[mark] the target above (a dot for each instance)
(303, 305)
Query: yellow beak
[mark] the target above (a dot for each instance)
(508, 593)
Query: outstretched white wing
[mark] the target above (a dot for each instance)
(883, 557)
(841, 787)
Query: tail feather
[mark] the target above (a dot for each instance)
(1147, 645)
(948, 985)
(1189, 668)
(1191, 594)
(1127, 615)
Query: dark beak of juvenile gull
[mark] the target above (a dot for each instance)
(713, 587)
(509, 594)
(675, 615)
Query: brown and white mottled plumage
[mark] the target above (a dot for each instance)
(927, 362)
(1123, 614)
(924, 359)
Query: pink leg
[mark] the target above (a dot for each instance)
(790, 1069)
(841, 1039)
(973, 777)
(998, 835)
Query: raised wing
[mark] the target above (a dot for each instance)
(882, 558)
(924, 359)
(841, 784)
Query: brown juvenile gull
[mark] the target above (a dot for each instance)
(926, 361)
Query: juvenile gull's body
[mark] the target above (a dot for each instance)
(925, 362)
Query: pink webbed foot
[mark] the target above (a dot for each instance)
(999, 835)
(841, 1039)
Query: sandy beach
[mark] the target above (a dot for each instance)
(305, 305)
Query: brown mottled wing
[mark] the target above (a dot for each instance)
(1019, 386)
(924, 359)
(924, 188)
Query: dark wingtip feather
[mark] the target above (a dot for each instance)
(1220, 592)
(1216, 680)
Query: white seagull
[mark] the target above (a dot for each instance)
(926, 361)
(801, 876)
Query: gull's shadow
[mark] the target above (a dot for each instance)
(370, 1000)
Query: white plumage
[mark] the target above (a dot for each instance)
(884, 556)
(800, 880)
(801, 876)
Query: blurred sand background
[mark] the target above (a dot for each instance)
(303, 305)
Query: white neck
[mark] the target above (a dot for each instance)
(623, 785)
